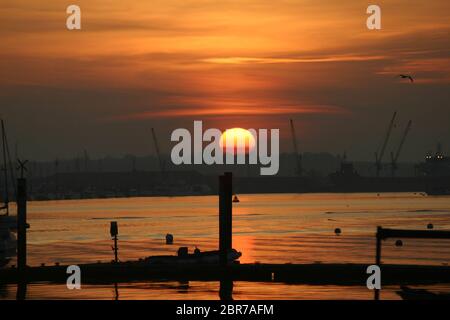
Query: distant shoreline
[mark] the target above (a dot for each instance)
(214, 194)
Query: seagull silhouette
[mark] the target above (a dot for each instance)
(405, 76)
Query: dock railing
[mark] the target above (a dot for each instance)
(385, 233)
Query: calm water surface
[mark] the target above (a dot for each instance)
(268, 228)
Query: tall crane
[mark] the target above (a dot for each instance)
(394, 157)
(379, 154)
(160, 160)
(298, 156)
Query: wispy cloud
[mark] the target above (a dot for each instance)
(213, 108)
(270, 60)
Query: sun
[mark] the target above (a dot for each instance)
(237, 139)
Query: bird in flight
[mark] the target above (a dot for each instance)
(406, 76)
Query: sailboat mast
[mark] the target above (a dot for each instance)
(5, 171)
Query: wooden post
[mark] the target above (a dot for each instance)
(378, 249)
(21, 224)
(116, 256)
(378, 258)
(385, 233)
(114, 231)
(226, 289)
(225, 216)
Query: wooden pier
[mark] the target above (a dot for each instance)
(333, 274)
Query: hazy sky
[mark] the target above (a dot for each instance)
(231, 63)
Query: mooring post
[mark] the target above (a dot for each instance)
(21, 224)
(378, 257)
(114, 231)
(226, 289)
(378, 249)
(225, 216)
(116, 256)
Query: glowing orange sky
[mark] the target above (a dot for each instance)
(225, 61)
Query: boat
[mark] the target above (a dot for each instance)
(235, 198)
(437, 165)
(8, 242)
(184, 257)
(436, 191)
(8, 223)
(431, 177)
(407, 293)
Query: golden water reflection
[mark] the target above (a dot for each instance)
(267, 228)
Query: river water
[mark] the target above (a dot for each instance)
(267, 228)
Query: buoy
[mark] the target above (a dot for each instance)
(169, 238)
(398, 243)
(235, 199)
(183, 251)
(430, 226)
(337, 231)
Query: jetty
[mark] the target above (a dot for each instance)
(317, 273)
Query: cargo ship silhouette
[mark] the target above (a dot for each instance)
(432, 177)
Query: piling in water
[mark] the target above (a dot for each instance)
(21, 224)
(225, 216)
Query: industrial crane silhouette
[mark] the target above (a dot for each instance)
(394, 157)
(380, 153)
(298, 156)
(162, 164)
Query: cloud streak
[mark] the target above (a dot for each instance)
(227, 110)
(271, 60)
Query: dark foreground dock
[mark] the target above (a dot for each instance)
(333, 274)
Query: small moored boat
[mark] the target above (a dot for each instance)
(421, 294)
(198, 257)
